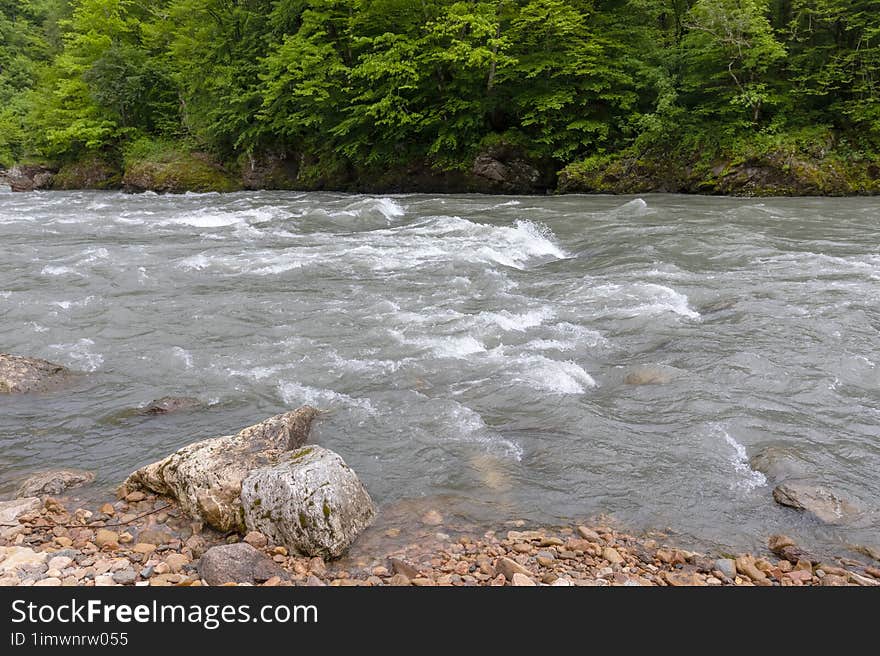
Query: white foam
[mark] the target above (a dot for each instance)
(184, 355)
(639, 299)
(259, 373)
(81, 353)
(293, 393)
(554, 376)
(521, 322)
(450, 346)
(466, 425)
(750, 479)
(635, 207)
(52, 270)
(195, 262)
(205, 220)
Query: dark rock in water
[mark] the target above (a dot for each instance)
(718, 306)
(205, 477)
(20, 374)
(816, 500)
(169, 404)
(53, 481)
(778, 465)
(237, 563)
(650, 375)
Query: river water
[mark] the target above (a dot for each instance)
(473, 350)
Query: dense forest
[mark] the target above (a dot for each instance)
(596, 95)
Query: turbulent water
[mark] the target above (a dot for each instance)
(471, 348)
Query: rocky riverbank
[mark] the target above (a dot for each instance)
(814, 165)
(144, 540)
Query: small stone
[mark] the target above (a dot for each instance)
(104, 580)
(432, 518)
(256, 539)
(509, 567)
(612, 556)
(804, 565)
(52, 581)
(522, 547)
(423, 582)
(63, 541)
(377, 571)
(314, 582)
(280, 551)
(144, 548)
(727, 567)
(176, 562)
(588, 534)
(106, 538)
(126, 538)
(278, 558)
(551, 542)
(684, 579)
(873, 571)
(317, 566)
(60, 562)
(124, 576)
(399, 580)
(399, 566)
(746, 565)
(107, 509)
(135, 496)
(521, 580)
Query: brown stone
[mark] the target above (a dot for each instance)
(399, 566)
(746, 565)
(612, 556)
(399, 580)
(588, 534)
(509, 567)
(521, 580)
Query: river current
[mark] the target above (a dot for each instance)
(476, 351)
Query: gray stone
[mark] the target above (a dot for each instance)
(124, 576)
(310, 501)
(726, 566)
(205, 477)
(169, 404)
(237, 563)
(53, 481)
(822, 503)
(778, 464)
(20, 374)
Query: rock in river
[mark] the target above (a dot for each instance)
(205, 477)
(53, 481)
(169, 404)
(650, 375)
(310, 501)
(819, 501)
(19, 374)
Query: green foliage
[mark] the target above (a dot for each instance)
(382, 84)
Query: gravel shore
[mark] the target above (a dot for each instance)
(143, 540)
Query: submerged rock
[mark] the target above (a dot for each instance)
(53, 481)
(650, 375)
(237, 563)
(205, 477)
(778, 465)
(19, 374)
(816, 500)
(310, 501)
(169, 404)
